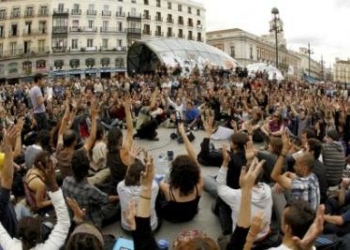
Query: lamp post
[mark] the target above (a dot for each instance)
(276, 28)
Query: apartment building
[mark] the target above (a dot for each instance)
(84, 38)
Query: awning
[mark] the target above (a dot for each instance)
(310, 79)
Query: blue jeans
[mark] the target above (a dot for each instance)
(210, 185)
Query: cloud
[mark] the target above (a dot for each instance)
(342, 3)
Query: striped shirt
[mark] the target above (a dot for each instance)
(334, 160)
(307, 189)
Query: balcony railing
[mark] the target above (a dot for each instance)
(15, 14)
(83, 29)
(60, 29)
(43, 13)
(115, 49)
(133, 30)
(62, 49)
(170, 20)
(40, 51)
(91, 12)
(147, 17)
(60, 12)
(159, 33)
(29, 13)
(134, 15)
(34, 32)
(9, 54)
(106, 13)
(170, 34)
(159, 19)
(120, 14)
(13, 34)
(76, 12)
(3, 16)
(147, 32)
(111, 30)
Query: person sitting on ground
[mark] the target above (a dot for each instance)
(139, 219)
(183, 190)
(29, 229)
(99, 206)
(35, 184)
(129, 189)
(192, 115)
(41, 143)
(99, 151)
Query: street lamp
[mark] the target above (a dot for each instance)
(309, 51)
(277, 29)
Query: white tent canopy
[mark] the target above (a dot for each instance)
(272, 71)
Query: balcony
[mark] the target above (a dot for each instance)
(106, 13)
(120, 14)
(88, 49)
(111, 30)
(134, 17)
(60, 12)
(3, 16)
(11, 54)
(83, 29)
(147, 32)
(13, 34)
(34, 32)
(60, 30)
(43, 13)
(133, 31)
(29, 13)
(114, 49)
(15, 14)
(159, 19)
(91, 12)
(41, 51)
(180, 22)
(75, 12)
(57, 50)
(170, 20)
(147, 17)
(170, 34)
(159, 33)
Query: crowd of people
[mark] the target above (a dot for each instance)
(70, 164)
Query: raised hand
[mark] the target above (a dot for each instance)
(258, 224)
(147, 176)
(50, 175)
(249, 151)
(94, 108)
(79, 213)
(10, 136)
(225, 155)
(286, 141)
(247, 178)
(208, 125)
(129, 215)
(134, 151)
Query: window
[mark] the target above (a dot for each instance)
(145, 2)
(158, 16)
(119, 62)
(2, 33)
(14, 30)
(158, 3)
(58, 64)
(27, 67)
(170, 18)
(170, 32)
(190, 37)
(180, 20)
(15, 12)
(41, 64)
(91, 7)
(1, 49)
(181, 34)
(74, 63)
(199, 37)
(120, 26)
(29, 11)
(251, 52)
(13, 68)
(2, 14)
(120, 43)
(190, 22)
(75, 43)
(198, 12)
(28, 27)
(189, 10)
(233, 51)
(133, 1)
(105, 25)
(27, 46)
(158, 30)
(90, 43)
(179, 7)
(90, 62)
(76, 6)
(169, 5)
(42, 27)
(60, 7)
(105, 43)
(43, 11)
(90, 24)
(105, 62)
(105, 7)
(41, 45)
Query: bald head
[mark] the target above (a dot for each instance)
(307, 160)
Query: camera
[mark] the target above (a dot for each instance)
(178, 117)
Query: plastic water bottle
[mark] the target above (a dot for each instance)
(163, 244)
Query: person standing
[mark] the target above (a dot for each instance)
(38, 102)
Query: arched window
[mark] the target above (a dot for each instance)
(59, 64)
(90, 62)
(120, 62)
(13, 68)
(74, 63)
(41, 64)
(105, 62)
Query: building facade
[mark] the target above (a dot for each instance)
(248, 48)
(82, 38)
(342, 71)
(317, 70)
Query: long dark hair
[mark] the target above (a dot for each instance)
(114, 139)
(29, 232)
(133, 174)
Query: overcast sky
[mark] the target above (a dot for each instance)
(323, 23)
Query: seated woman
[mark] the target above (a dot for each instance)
(275, 126)
(34, 183)
(130, 189)
(182, 192)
